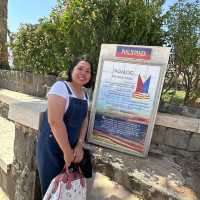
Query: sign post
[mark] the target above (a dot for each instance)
(126, 97)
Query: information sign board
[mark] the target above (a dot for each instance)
(126, 97)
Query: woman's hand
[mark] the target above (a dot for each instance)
(78, 153)
(69, 157)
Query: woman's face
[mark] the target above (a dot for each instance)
(81, 73)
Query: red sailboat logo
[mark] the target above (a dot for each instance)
(142, 88)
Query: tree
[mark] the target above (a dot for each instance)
(3, 34)
(89, 23)
(183, 34)
(39, 48)
(78, 27)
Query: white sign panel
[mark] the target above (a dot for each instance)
(126, 98)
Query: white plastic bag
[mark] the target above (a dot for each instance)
(67, 186)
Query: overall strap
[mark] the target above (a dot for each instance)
(70, 92)
(86, 95)
(68, 89)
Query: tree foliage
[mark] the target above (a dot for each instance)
(39, 48)
(183, 34)
(80, 27)
(88, 24)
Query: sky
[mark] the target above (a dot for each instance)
(23, 11)
(27, 11)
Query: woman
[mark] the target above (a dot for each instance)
(64, 125)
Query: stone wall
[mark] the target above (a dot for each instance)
(25, 82)
(24, 166)
(174, 141)
(20, 182)
(174, 137)
(38, 85)
(176, 134)
(180, 109)
(4, 109)
(152, 177)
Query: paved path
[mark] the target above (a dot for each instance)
(7, 135)
(105, 189)
(3, 195)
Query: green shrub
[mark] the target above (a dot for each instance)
(80, 27)
(89, 23)
(39, 48)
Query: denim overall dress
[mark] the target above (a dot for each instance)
(49, 156)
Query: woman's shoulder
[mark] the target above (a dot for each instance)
(59, 88)
(59, 83)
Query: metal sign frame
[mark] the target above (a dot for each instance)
(126, 124)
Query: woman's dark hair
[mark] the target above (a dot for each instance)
(74, 63)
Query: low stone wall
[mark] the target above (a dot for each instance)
(25, 82)
(24, 166)
(174, 141)
(180, 109)
(38, 85)
(173, 134)
(176, 134)
(4, 109)
(21, 182)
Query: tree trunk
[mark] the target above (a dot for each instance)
(3, 34)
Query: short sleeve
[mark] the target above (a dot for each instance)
(59, 88)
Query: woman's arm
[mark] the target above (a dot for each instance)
(56, 110)
(83, 130)
(78, 150)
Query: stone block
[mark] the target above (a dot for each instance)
(28, 113)
(21, 81)
(24, 149)
(24, 166)
(25, 184)
(180, 109)
(7, 182)
(198, 131)
(194, 144)
(158, 134)
(177, 138)
(177, 122)
(4, 109)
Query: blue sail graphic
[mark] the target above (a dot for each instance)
(146, 85)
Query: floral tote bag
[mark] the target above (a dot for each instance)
(67, 186)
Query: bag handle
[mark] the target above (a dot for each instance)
(71, 176)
